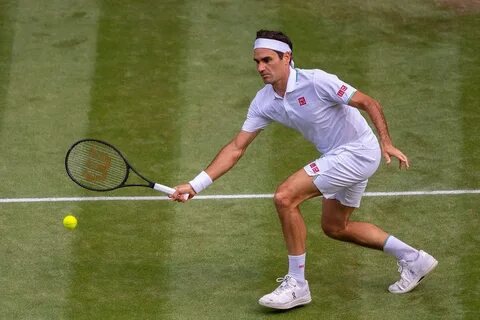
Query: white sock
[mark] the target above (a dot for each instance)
(296, 268)
(399, 249)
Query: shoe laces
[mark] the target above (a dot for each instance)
(402, 264)
(405, 272)
(286, 283)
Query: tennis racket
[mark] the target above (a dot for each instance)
(99, 166)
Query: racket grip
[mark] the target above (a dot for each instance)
(167, 190)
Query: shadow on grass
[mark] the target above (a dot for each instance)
(270, 312)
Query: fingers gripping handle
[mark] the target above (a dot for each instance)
(168, 190)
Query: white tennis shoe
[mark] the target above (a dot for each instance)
(288, 295)
(413, 272)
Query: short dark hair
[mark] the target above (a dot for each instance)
(276, 35)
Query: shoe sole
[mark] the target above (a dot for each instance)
(297, 302)
(429, 270)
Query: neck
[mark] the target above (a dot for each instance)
(281, 85)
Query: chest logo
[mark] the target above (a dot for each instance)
(302, 101)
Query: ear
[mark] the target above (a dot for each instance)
(287, 56)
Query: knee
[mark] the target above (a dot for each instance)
(334, 231)
(282, 198)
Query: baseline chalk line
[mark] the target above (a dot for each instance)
(228, 196)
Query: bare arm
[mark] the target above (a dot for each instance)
(374, 110)
(225, 159)
(229, 155)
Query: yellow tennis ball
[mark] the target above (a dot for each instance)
(70, 222)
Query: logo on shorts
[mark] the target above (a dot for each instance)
(342, 91)
(302, 101)
(314, 167)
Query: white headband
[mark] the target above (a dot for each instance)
(272, 44)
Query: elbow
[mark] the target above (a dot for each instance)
(237, 154)
(371, 105)
(364, 102)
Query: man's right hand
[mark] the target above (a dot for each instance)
(181, 190)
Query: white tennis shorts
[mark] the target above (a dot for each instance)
(343, 174)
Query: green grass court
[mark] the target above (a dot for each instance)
(169, 83)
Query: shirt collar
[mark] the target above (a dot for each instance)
(291, 83)
(292, 80)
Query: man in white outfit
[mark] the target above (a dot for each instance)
(325, 110)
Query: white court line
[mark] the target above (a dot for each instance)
(230, 196)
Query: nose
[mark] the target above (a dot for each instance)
(260, 67)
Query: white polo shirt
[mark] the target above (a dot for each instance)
(316, 105)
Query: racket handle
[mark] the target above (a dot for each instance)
(167, 190)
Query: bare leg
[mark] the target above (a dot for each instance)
(335, 218)
(289, 195)
(336, 224)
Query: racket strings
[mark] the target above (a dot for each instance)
(96, 165)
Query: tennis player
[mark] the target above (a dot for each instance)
(325, 110)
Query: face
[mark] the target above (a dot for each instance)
(269, 65)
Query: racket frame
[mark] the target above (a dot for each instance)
(150, 184)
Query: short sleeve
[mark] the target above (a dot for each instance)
(255, 119)
(330, 88)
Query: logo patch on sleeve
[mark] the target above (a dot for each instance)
(342, 91)
(314, 167)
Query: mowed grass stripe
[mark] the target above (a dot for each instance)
(220, 81)
(469, 72)
(46, 101)
(121, 253)
(11, 293)
(7, 9)
(328, 41)
(48, 93)
(467, 26)
(404, 69)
